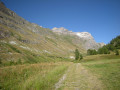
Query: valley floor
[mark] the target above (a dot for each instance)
(79, 78)
(92, 74)
(100, 74)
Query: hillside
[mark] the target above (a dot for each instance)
(20, 39)
(86, 38)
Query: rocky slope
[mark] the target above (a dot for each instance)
(87, 39)
(20, 39)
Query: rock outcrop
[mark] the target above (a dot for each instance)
(86, 38)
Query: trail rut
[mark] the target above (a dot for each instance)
(79, 78)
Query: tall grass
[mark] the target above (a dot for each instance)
(41, 76)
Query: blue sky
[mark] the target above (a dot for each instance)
(101, 18)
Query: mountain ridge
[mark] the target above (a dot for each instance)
(18, 36)
(86, 36)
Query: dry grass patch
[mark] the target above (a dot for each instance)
(27, 76)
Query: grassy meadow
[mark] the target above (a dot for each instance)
(106, 68)
(31, 76)
(44, 75)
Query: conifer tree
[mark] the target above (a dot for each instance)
(77, 54)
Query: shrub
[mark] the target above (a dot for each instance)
(11, 63)
(116, 52)
(19, 61)
(91, 52)
(81, 57)
(77, 54)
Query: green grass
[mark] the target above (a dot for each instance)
(107, 70)
(33, 59)
(12, 47)
(22, 56)
(31, 76)
(47, 82)
(51, 40)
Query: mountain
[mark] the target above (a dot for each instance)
(20, 39)
(86, 38)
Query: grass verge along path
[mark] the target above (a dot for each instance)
(41, 76)
(79, 78)
(107, 70)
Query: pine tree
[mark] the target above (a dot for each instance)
(77, 54)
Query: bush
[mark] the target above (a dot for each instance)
(116, 52)
(19, 61)
(91, 52)
(103, 50)
(11, 63)
(81, 57)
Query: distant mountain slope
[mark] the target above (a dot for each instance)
(86, 38)
(18, 37)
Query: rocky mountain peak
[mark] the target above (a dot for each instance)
(62, 30)
(59, 30)
(85, 35)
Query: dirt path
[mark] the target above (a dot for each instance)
(78, 78)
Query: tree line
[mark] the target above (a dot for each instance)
(113, 46)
